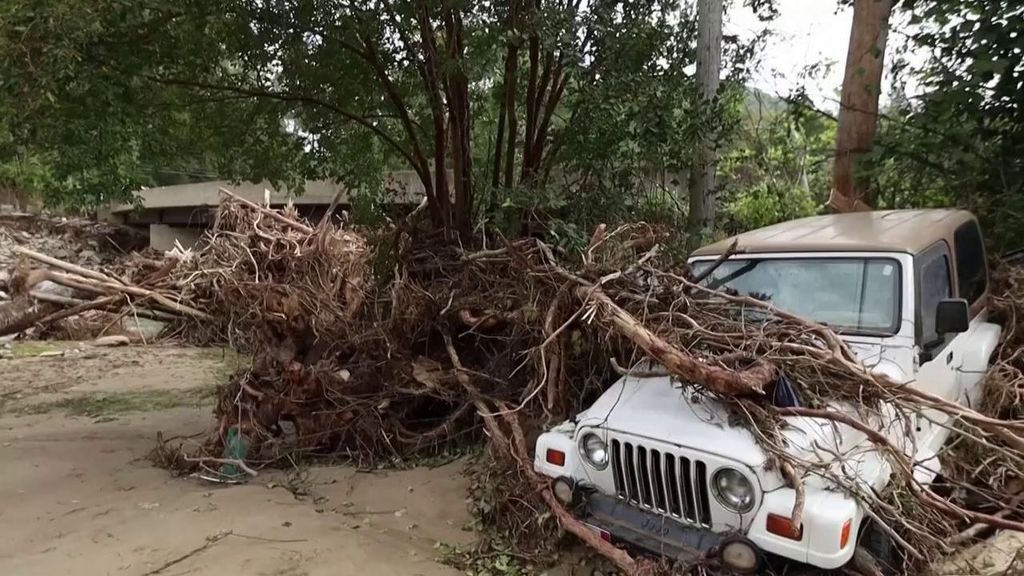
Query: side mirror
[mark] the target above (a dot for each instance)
(952, 316)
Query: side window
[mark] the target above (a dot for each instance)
(970, 261)
(933, 285)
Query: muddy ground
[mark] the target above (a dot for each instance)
(78, 495)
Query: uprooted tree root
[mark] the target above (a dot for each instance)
(412, 343)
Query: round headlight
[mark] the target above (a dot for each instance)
(594, 451)
(733, 490)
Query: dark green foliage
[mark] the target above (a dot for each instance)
(962, 141)
(99, 97)
(107, 94)
(779, 167)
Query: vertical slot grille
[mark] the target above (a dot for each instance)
(703, 507)
(632, 487)
(658, 479)
(666, 483)
(620, 480)
(645, 476)
(672, 482)
(689, 503)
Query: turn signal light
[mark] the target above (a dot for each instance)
(844, 536)
(783, 526)
(556, 457)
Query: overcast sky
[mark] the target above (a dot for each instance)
(806, 32)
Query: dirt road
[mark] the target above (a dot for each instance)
(78, 496)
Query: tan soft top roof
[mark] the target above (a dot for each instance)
(882, 231)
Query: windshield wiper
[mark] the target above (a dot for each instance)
(738, 273)
(860, 332)
(855, 330)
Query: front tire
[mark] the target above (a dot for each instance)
(877, 542)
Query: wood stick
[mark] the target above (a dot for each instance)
(519, 453)
(106, 303)
(91, 277)
(797, 484)
(326, 218)
(78, 306)
(270, 213)
(732, 249)
(231, 461)
(56, 299)
(596, 239)
(67, 266)
(101, 287)
(637, 373)
(488, 320)
(162, 272)
(76, 282)
(975, 530)
(516, 449)
(210, 541)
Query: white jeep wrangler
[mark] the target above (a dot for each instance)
(649, 465)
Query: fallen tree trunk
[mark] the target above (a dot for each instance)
(21, 314)
(107, 303)
(724, 381)
(514, 446)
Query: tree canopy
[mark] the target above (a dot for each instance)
(511, 97)
(558, 111)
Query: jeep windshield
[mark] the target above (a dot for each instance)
(849, 294)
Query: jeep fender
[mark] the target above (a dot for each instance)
(984, 339)
(825, 514)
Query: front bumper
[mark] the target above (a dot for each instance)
(666, 537)
(652, 532)
(825, 513)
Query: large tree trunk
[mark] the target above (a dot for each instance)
(546, 78)
(511, 73)
(858, 112)
(21, 314)
(457, 91)
(702, 174)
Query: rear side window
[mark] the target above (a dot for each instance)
(970, 261)
(933, 286)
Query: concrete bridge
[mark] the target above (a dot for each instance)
(182, 212)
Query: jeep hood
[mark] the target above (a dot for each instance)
(662, 409)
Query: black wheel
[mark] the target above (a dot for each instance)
(877, 542)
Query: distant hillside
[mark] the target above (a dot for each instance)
(759, 103)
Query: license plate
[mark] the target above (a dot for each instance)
(601, 532)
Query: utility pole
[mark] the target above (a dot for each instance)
(858, 108)
(702, 174)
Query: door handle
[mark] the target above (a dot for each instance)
(949, 358)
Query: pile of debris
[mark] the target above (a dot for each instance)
(444, 341)
(409, 342)
(77, 240)
(80, 242)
